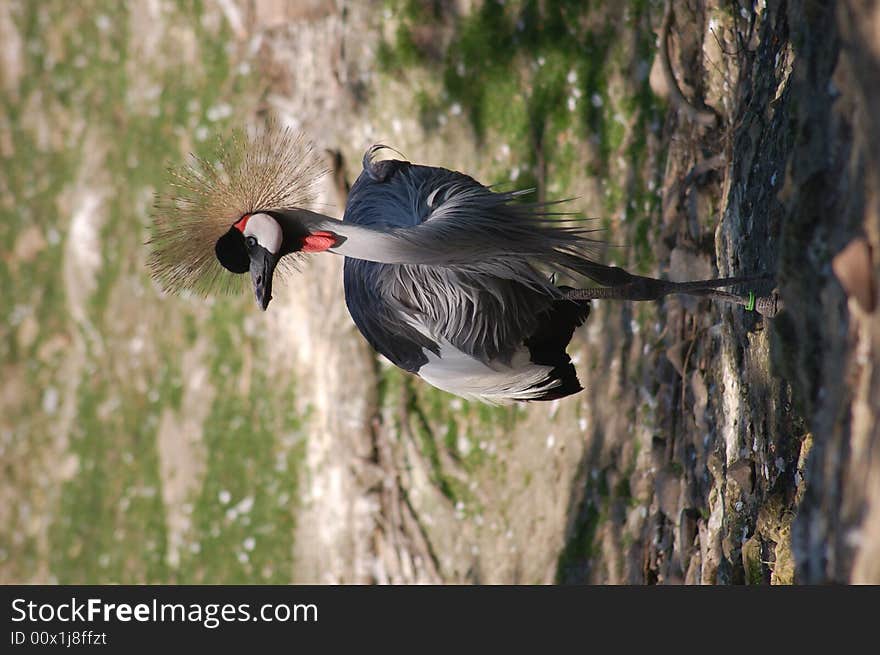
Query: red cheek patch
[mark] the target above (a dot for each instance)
(318, 242)
(242, 223)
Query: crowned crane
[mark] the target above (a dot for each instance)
(445, 277)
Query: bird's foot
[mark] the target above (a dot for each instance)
(768, 306)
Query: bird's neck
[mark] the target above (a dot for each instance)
(351, 240)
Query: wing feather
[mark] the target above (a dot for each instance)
(484, 285)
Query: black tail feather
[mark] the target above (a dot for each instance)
(547, 345)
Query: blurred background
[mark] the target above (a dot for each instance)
(146, 438)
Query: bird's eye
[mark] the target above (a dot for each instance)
(251, 241)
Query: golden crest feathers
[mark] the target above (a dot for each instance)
(272, 168)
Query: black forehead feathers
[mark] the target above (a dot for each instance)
(231, 251)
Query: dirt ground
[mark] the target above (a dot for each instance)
(710, 445)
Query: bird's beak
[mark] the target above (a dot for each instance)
(262, 269)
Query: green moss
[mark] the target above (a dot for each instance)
(754, 568)
(622, 489)
(574, 562)
(430, 451)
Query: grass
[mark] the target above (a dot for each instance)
(92, 112)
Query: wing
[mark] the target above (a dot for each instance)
(384, 328)
(489, 299)
(449, 219)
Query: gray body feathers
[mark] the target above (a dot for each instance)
(482, 289)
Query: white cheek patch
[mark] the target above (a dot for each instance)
(266, 231)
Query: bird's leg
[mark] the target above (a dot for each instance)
(647, 288)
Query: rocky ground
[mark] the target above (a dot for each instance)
(710, 445)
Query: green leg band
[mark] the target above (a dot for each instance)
(751, 306)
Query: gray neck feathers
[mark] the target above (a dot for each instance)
(374, 244)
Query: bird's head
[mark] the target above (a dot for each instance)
(235, 212)
(255, 243)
